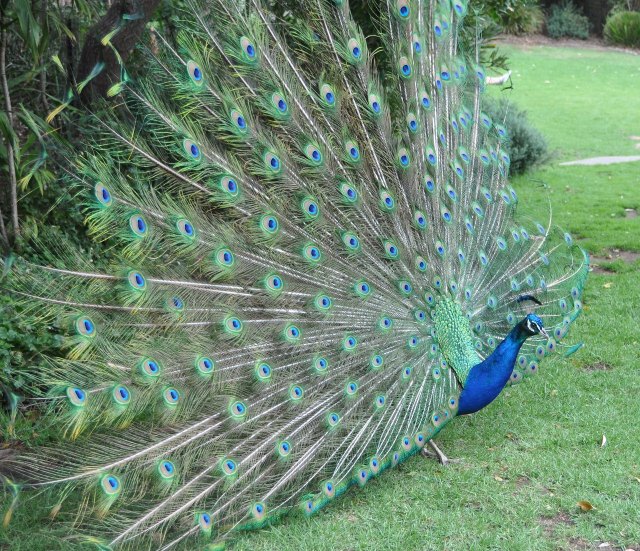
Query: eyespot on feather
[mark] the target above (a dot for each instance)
(263, 371)
(320, 365)
(166, 470)
(355, 50)
(403, 9)
(138, 225)
(85, 327)
(322, 302)
(349, 343)
(239, 121)
(204, 522)
(76, 396)
(351, 241)
(328, 95)
(269, 224)
(313, 154)
(292, 333)
(110, 485)
(204, 366)
(238, 409)
(349, 193)
(284, 448)
(272, 163)
(404, 67)
(391, 250)
(171, 396)
(232, 325)
(280, 103)
(312, 253)
(195, 73)
(229, 185)
(274, 283)
(310, 208)
(103, 195)
(121, 395)
(352, 151)
(362, 289)
(185, 227)
(191, 149)
(375, 104)
(296, 393)
(387, 202)
(249, 50)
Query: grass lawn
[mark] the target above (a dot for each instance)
(530, 457)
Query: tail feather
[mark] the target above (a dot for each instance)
(285, 220)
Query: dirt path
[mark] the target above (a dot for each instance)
(594, 43)
(607, 160)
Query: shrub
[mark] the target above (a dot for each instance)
(624, 5)
(566, 20)
(623, 28)
(526, 145)
(21, 343)
(514, 16)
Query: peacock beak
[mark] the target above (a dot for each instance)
(544, 333)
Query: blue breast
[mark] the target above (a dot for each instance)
(487, 379)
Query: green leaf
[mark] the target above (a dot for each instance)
(29, 30)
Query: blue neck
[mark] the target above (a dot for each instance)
(487, 379)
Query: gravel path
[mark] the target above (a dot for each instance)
(603, 160)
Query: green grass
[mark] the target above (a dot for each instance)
(533, 454)
(586, 104)
(585, 101)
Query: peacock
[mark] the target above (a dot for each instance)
(319, 263)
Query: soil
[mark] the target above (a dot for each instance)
(598, 366)
(549, 523)
(611, 256)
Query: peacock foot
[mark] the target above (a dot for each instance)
(436, 452)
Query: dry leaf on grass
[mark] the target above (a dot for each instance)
(585, 505)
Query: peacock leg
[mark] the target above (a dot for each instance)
(437, 452)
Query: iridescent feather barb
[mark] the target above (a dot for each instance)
(309, 265)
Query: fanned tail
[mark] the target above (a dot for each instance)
(286, 221)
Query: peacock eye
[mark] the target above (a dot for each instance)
(248, 48)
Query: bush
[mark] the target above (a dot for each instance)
(623, 28)
(514, 16)
(624, 5)
(527, 146)
(566, 20)
(21, 343)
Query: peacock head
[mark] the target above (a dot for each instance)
(532, 325)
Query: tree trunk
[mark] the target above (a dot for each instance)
(595, 10)
(43, 68)
(93, 52)
(11, 166)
